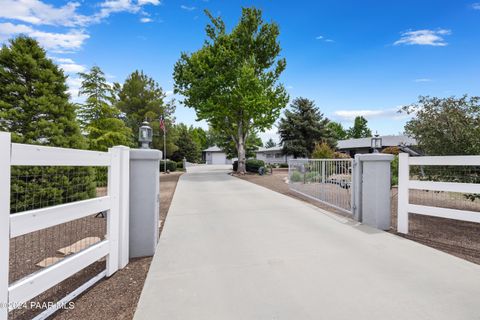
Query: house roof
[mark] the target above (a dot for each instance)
(387, 141)
(269, 149)
(213, 149)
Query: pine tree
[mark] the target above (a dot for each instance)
(187, 147)
(100, 119)
(360, 129)
(302, 127)
(35, 109)
(270, 143)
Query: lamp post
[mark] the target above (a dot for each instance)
(376, 143)
(145, 134)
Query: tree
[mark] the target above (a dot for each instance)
(337, 130)
(140, 98)
(227, 144)
(231, 82)
(359, 129)
(302, 127)
(35, 109)
(186, 145)
(199, 136)
(99, 118)
(270, 143)
(445, 126)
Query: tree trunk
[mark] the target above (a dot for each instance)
(241, 150)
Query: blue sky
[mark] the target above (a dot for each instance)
(352, 57)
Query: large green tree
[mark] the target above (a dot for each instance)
(99, 117)
(187, 147)
(232, 81)
(360, 129)
(35, 109)
(141, 98)
(337, 130)
(445, 126)
(303, 126)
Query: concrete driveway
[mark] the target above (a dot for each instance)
(234, 250)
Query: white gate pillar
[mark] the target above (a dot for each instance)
(372, 189)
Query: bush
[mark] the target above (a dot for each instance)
(341, 155)
(283, 165)
(296, 177)
(235, 165)
(322, 151)
(252, 165)
(394, 172)
(179, 164)
(171, 165)
(391, 150)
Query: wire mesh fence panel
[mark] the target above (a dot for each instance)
(42, 187)
(325, 180)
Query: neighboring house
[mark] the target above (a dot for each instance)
(272, 155)
(363, 145)
(215, 155)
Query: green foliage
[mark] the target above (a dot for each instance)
(337, 131)
(252, 165)
(283, 165)
(227, 144)
(34, 107)
(186, 146)
(323, 151)
(394, 171)
(139, 98)
(171, 165)
(270, 143)
(231, 82)
(448, 126)
(360, 129)
(302, 126)
(296, 176)
(180, 165)
(100, 119)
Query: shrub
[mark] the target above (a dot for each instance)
(235, 165)
(171, 165)
(391, 150)
(296, 177)
(311, 177)
(283, 165)
(252, 165)
(179, 165)
(322, 151)
(341, 155)
(394, 171)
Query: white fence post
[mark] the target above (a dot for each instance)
(403, 180)
(4, 221)
(124, 217)
(113, 215)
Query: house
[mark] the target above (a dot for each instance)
(215, 155)
(272, 155)
(364, 145)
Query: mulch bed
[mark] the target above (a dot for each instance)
(459, 238)
(112, 298)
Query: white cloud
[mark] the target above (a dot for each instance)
(319, 37)
(74, 85)
(424, 37)
(72, 67)
(349, 115)
(423, 80)
(476, 6)
(329, 40)
(145, 20)
(184, 7)
(56, 42)
(144, 2)
(36, 12)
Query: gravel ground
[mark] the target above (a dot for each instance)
(112, 298)
(455, 237)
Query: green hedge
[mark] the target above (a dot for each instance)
(283, 165)
(171, 165)
(179, 164)
(252, 165)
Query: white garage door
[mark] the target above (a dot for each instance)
(218, 158)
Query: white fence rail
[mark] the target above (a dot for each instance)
(115, 203)
(405, 184)
(326, 180)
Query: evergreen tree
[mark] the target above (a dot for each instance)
(337, 130)
(270, 143)
(359, 129)
(99, 118)
(302, 127)
(187, 147)
(141, 98)
(35, 109)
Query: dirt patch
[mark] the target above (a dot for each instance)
(458, 238)
(112, 298)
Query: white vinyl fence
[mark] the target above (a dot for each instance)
(447, 180)
(115, 203)
(326, 180)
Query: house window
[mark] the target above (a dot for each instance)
(269, 155)
(278, 155)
